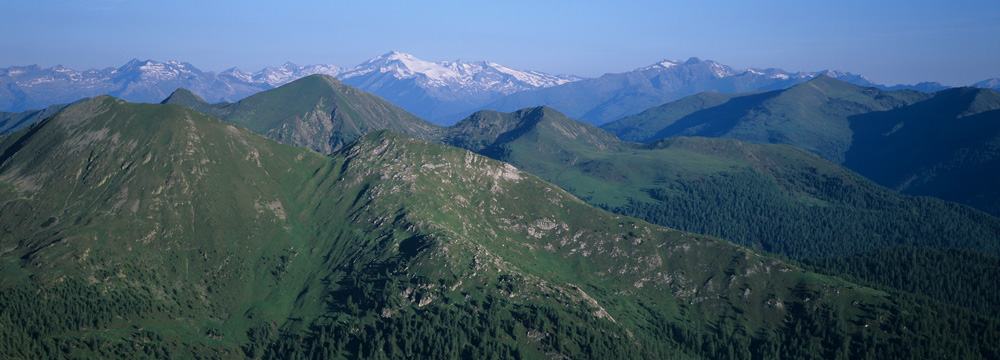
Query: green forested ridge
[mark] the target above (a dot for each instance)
(154, 231)
(965, 278)
(811, 116)
(942, 144)
(752, 209)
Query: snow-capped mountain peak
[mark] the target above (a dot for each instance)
(149, 70)
(709, 67)
(406, 65)
(143, 81)
(479, 75)
(237, 74)
(436, 90)
(662, 64)
(276, 76)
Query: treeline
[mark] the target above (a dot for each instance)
(960, 277)
(498, 329)
(369, 319)
(41, 323)
(901, 242)
(486, 324)
(487, 329)
(750, 209)
(79, 320)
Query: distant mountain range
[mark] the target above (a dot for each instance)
(993, 83)
(442, 92)
(431, 90)
(437, 91)
(613, 96)
(31, 87)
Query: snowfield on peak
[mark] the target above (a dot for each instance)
(478, 75)
(277, 76)
(444, 91)
(432, 90)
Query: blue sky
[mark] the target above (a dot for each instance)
(955, 43)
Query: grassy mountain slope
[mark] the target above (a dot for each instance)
(99, 195)
(775, 198)
(137, 230)
(189, 99)
(811, 116)
(317, 111)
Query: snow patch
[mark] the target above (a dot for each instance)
(470, 77)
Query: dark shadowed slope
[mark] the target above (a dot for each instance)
(811, 116)
(11, 122)
(947, 147)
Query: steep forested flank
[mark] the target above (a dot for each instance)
(965, 278)
(78, 320)
(749, 208)
(481, 324)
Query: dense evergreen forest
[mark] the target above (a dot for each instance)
(928, 266)
(484, 324)
(719, 205)
(965, 278)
